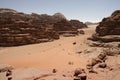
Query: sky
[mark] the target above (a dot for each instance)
(83, 10)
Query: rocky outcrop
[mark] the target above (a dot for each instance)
(14, 33)
(72, 25)
(77, 24)
(81, 31)
(59, 16)
(102, 44)
(106, 38)
(5, 67)
(65, 27)
(109, 29)
(17, 28)
(46, 19)
(110, 25)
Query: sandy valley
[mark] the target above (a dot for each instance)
(60, 54)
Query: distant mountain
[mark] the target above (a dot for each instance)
(77, 24)
(91, 23)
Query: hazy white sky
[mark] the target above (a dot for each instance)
(83, 10)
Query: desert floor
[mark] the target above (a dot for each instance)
(57, 54)
(38, 60)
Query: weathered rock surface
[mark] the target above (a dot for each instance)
(110, 25)
(102, 44)
(5, 67)
(106, 38)
(109, 29)
(111, 51)
(17, 28)
(77, 24)
(63, 25)
(102, 65)
(81, 31)
(80, 74)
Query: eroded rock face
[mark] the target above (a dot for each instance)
(91, 23)
(15, 33)
(110, 25)
(17, 28)
(63, 25)
(5, 67)
(77, 24)
(109, 29)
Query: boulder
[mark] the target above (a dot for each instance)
(81, 31)
(102, 65)
(77, 71)
(54, 71)
(102, 56)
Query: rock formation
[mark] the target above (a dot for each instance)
(17, 28)
(65, 28)
(110, 25)
(63, 25)
(77, 24)
(109, 29)
(59, 16)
